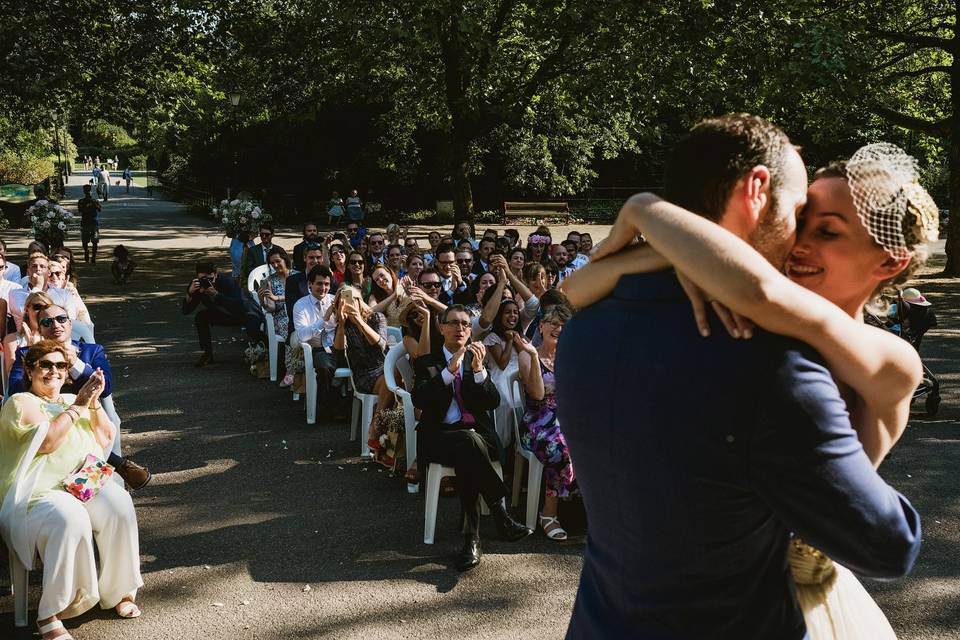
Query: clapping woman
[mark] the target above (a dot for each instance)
(46, 436)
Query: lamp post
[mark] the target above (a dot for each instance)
(234, 97)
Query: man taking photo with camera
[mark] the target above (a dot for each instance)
(219, 295)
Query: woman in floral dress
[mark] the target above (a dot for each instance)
(272, 297)
(539, 428)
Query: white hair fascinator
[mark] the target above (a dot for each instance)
(897, 212)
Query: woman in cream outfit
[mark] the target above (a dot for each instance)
(44, 437)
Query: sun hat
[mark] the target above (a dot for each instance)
(913, 296)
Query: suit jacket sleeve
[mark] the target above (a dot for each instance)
(16, 382)
(93, 356)
(807, 462)
(430, 394)
(479, 397)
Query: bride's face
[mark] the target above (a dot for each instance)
(834, 255)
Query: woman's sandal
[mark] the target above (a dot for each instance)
(54, 626)
(128, 609)
(552, 529)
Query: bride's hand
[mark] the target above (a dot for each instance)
(625, 230)
(735, 324)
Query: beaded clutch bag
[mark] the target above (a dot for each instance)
(86, 482)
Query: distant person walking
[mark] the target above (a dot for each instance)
(355, 207)
(127, 177)
(105, 182)
(89, 210)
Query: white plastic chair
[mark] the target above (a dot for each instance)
(310, 381)
(535, 467)
(364, 405)
(273, 344)
(436, 472)
(397, 359)
(19, 579)
(396, 333)
(82, 331)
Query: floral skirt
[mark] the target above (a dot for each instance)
(540, 434)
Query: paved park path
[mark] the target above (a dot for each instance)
(259, 526)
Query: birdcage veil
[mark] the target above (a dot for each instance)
(896, 211)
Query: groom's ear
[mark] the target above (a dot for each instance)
(750, 198)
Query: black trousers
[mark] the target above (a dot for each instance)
(472, 456)
(208, 317)
(325, 364)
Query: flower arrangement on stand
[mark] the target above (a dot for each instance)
(237, 216)
(256, 357)
(49, 222)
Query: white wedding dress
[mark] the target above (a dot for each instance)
(835, 605)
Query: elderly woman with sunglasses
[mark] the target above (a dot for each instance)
(46, 436)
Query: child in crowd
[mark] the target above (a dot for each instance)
(122, 265)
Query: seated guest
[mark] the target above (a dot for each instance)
(537, 246)
(433, 238)
(28, 334)
(296, 285)
(219, 295)
(561, 257)
(552, 270)
(465, 263)
(362, 334)
(55, 432)
(6, 287)
(575, 257)
(477, 289)
(311, 235)
(64, 256)
(57, 279)
(513, 236)
(356, 273)
(456, 396)
(386, 294)
(482, 257)
(272, 295)
(414, 266)
(410, 246)
(11, 271)
(517, 258)
(502, 357)
(453, 282)
(338, 264)
(37, 279)
(395, 259)
(539, 428)
(535, 277)
(314, 323)
(84, 359)
(586, 244)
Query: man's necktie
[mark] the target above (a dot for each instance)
(465, 415)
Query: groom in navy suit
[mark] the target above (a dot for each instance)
(734, 445)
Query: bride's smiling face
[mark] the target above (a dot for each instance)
(835, 256)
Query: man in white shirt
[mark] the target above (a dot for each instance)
(104, 178)
(37, 280)
(315, 323)
(11, 271)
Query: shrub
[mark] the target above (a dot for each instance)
(138, 162)
(24, 170)
(101, 133)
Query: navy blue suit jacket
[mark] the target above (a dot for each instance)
(92, 355)
(697, 458)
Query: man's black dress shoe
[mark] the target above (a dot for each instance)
(508, 528)
(470, 554)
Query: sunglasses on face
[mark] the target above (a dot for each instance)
(430, 285)
(48, 322)
(376, 242)
(464, 260)
(356, 262)
(47, 365)
(463, 324)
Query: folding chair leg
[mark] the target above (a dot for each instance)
(432, 500)
(19, 580)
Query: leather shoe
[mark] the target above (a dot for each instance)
(134, 475)
(470, 554)
(508, 528)
(205, 358)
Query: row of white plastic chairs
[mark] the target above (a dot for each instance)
(364, 405)
(19, 574)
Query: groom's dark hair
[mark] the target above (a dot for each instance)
(705, 166)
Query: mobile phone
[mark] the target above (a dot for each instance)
(347, 294)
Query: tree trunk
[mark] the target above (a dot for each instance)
(953, 230)
(460, 178)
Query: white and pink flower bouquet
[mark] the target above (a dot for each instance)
(49, 222)
(236, 216)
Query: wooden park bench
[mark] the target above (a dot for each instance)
(536, 210)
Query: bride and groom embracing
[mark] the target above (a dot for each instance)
(750, 495)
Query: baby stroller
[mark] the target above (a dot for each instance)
(910, 318)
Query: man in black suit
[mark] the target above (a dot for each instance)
(296, 285)
(311, 235)
(257, 254)
(456, 396)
